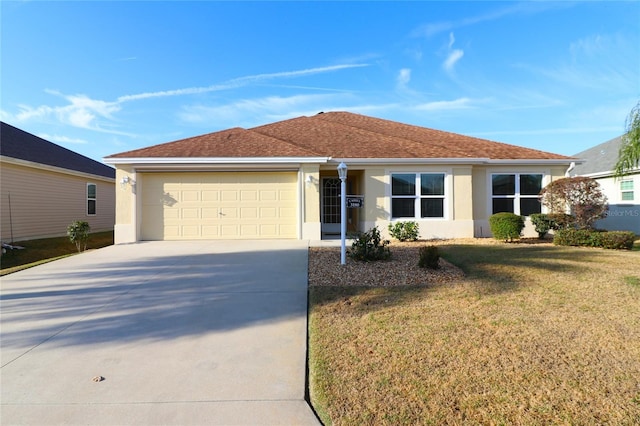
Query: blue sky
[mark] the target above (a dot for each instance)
(105, 77)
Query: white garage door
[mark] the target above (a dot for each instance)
(221, 205)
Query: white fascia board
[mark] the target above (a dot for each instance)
(481, 161)
(156, 161)
(547, 162)
(400, 161)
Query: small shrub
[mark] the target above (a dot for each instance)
(592, 238)
(429, 257)
(78, 232)
(576, 237)
(506, 226)
(369, 246)
(404, 231)
(542, 223)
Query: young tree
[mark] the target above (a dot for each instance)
(582, 196)
(78, 233)
(629, 154)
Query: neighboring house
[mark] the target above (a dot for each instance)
(45, 187)
(622, 193)
(280, 181)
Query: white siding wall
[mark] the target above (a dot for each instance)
(44, 203)
(623, 215)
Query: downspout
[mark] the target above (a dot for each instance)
(571, 167)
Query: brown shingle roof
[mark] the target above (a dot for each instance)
(339, 135)
(236, 142)
(16, 143)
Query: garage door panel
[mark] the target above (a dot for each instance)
(229, 195)
(249, 213)
(190, 213)
(287, 195)
(208, 195)
(190, 195)
(219, 205)
(209, 213)
(249, 195)
(268, 195)
(211, 231)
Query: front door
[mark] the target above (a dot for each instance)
(330, 206)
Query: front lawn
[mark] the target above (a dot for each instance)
(47, 249)
(533, 334)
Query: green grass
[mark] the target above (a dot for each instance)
(36, 252)
(534, 334)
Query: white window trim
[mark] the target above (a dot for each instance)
(632, 191)
(87, 199)
(417, 197)
(516, 197)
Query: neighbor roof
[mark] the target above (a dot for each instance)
(16, 143)
(601, 159)
(338, 135)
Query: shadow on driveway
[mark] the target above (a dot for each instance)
(126, 293)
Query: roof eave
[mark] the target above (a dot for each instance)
(213, 160)
(40, 166)
(479, 161)
(541, 162)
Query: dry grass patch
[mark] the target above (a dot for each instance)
(45, 250)
(533, 334)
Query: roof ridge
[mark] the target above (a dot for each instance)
(407, 139)
(328, 115)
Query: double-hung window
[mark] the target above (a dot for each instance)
(626, 190)
(516, 193)
(91, 198)
(417, 195)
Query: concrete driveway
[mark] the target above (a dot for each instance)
(182, 333)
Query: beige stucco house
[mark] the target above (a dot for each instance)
(280, 181)
(44, 187)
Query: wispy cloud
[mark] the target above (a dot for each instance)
(453, 56)
(461, 103)
(239, 82)
(433, 28)
(403, 79)
(83, 112)
(62, 139)
(245, 112)
(597, 62)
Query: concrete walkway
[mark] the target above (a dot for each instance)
(188, 333)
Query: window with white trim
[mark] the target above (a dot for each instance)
(417, 195)
(626, 190)
(92, 190)
(516, 193)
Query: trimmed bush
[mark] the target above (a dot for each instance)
(506, 226)
(542, 223)
(429, 257)
(369, 246)
(590, 238)
(403, 231)
(618, 240)
(576, 237)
